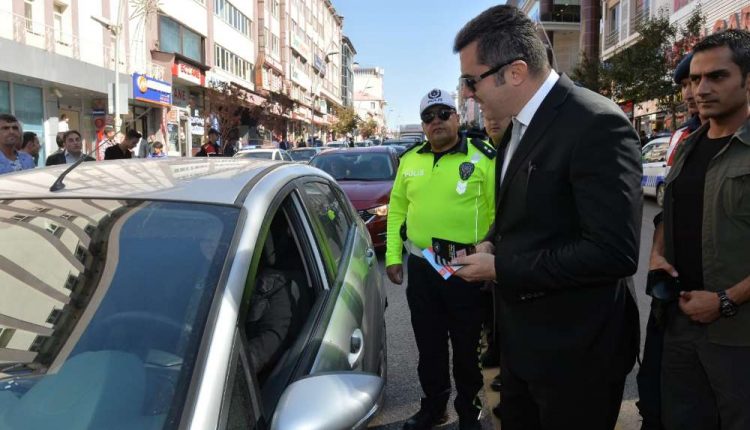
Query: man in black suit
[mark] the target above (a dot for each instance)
(72, 150)
(566, 234)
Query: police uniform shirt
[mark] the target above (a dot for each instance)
(450, 196)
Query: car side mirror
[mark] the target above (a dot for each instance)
(329, 401)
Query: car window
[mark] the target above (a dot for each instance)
(266, 155)
(110, 298)
(657, 153)
(357, 166)
(242, 414)
(331, 223)
(285, 156)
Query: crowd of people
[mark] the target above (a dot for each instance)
(547, 222)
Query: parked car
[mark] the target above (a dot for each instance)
(264, 154)
(337, 144)
(304, 155)
(366, 175)
(401, 145)
(144, 299)
(655, 169)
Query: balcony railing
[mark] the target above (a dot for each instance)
(562, 13)
(38, 34)
(638, 17)
(611, 38)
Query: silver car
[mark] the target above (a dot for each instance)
(197, 294)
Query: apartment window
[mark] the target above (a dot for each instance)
(6, 334)
(53, 316)
(232, 16)
(28, 13)
(232, 63)
(614, 19)
(275, 8)
(175, 37)
(275, 45)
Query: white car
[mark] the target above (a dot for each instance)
(337, 144)
(265, 154)
(655, 169)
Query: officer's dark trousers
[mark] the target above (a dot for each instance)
(443, 309)
(649, 377)
(704, 386)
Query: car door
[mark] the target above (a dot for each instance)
(353, 338)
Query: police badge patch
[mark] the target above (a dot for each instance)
(465, 170)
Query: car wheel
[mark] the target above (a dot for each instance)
(660, 195)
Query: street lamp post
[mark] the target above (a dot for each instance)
(114, 29)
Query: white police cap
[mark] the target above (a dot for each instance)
(436, 97)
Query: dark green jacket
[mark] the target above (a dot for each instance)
(726, 226)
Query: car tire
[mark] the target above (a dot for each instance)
(660, 195)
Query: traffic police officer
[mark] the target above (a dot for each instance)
(445, 189)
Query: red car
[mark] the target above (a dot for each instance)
(366, 175)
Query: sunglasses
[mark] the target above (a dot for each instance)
(471, 82)
(443, 114)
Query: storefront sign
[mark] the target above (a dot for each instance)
(150, 90)
(196, 125)
(737, 20)
(180, 96)
(188, 73)
(627, 107)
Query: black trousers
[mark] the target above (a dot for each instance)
(649, 376)
(704, 386)
(442, 310)
(578, 402)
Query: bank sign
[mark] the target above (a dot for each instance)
(151, 90)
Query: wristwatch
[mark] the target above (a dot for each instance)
(727, 307)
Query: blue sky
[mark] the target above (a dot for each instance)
(412, 40)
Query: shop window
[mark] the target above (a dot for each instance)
(4, 97)
(29, 109)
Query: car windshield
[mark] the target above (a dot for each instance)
(362, 166)
(303, 154)
(104, 304)
(265, 155)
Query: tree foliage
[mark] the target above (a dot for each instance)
(347, 121)
(368, 128)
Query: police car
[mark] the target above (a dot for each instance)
(654, 157)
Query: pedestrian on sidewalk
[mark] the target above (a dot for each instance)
(444, 189)
(123, 150)
(12, 160)
(566, 232)
(73, 150)
(30, 145)
(108, 140)
(649, 372)
(701, 247)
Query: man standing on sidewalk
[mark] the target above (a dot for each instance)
(12, 160)
(703, 240)
(566, 234)
(444, 189)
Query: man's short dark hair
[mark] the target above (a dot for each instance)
(69, 132)
(157, 145)
(59, 139)
(503, 33)
(6, 117)
(738, 41)
(133, 134)
(213, 131)
(28, 137)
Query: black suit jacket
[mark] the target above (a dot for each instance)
(59, 158)
(566, 234)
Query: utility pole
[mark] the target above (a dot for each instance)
(115, 30)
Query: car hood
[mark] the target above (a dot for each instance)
(366, 194)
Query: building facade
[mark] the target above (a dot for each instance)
(369, 95)
(347, 72)
(182, 65)
(559, 24)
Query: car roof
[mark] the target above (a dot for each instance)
(245, 151)
(357, 149)
(220, 180)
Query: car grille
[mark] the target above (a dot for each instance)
(366, 216)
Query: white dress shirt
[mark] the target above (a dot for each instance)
(521, 121)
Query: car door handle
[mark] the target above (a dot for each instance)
(370, 256)
(356, 348)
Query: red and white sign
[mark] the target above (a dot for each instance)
(188, 73)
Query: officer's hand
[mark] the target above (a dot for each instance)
(395, 273)
(658, 262)
(477, 267)
(485, 247)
